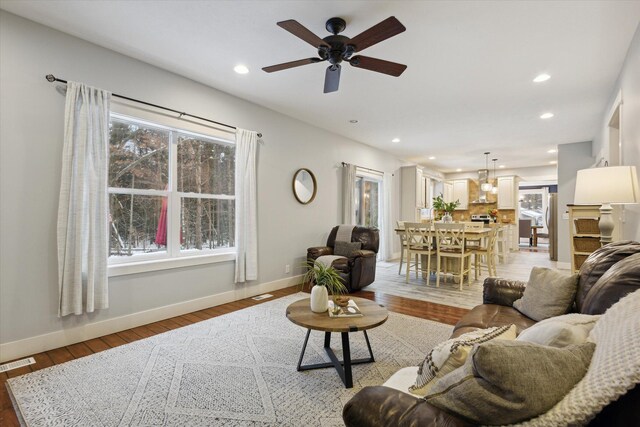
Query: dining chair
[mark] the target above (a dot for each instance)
(419, 243)
(473, 225)
(502, 246)
(403, 243)
(450, 243)
(525, 230)
(486, 251)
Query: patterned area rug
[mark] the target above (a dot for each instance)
(234, 370)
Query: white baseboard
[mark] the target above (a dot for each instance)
(38, 344)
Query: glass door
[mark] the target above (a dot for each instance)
(368, 201)
(533, 206)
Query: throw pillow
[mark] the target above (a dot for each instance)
(346, 248)
(506, 382)
(548, 293)
(560, 331)
(451, 354)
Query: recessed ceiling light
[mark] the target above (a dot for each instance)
(432, 157)
(553, 162)
(553, 150)
(395, 140)
(546, 115)
(458, 170)
(501, 166)
(353, 121)
(542, 78)
(241, 69)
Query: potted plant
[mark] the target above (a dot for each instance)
(325, 280)
(493, 213)
(447, 207)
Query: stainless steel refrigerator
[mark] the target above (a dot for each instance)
(551, 218)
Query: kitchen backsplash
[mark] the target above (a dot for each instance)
(482, 208)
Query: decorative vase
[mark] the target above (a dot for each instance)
(447, 218)
(319, 299)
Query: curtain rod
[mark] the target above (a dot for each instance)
(367, 169)
(51, 78)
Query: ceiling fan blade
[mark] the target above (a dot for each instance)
(332, 78)
(302, 32)
(378, 65)
(291, 64)
(379, 32)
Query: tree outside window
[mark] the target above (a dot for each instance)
(171, 191)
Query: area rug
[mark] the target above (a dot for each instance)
(234, 370)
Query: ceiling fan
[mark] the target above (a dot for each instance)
(337, 48)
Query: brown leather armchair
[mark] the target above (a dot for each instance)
(359, 270)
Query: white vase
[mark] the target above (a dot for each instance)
(319, 299)
(447, 218)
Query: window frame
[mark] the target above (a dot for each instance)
(174, 256)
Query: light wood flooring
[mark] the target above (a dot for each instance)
(422, 309)
(518, 267)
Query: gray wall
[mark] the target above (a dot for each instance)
(571, 158)
(31, 119)
(629, 84)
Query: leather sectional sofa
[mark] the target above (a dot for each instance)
(383, 406)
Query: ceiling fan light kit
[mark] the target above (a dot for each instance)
(338, 48)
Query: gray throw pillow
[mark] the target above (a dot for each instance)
(548, 293)
(346, 248)
(505, 382)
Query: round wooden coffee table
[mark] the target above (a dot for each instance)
(373, 315)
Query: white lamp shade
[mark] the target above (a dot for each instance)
(613, 184)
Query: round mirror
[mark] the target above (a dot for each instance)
(304, 186)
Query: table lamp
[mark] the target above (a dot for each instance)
(605, 186)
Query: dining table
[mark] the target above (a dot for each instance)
(470, 233)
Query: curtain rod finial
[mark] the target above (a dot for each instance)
(50, 78)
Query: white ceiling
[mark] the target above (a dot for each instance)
(467, 89)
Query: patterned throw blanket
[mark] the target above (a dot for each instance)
(343, 235)
(614, 368)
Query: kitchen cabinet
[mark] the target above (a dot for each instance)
(447, 193)
(413, 187)
(457, 189)
(507, 192)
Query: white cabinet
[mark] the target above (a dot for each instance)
(447, 194)
(420, 196)
(457, 189)
(413, 193)
(507, 192)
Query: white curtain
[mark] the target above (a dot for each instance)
(246, 206)
(348, 194)
(387, 232)
(83, 210)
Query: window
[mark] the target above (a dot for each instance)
(171, 192)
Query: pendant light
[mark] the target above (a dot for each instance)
(486, 185)
(494, 189)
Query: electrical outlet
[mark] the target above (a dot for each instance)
(287, 268)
